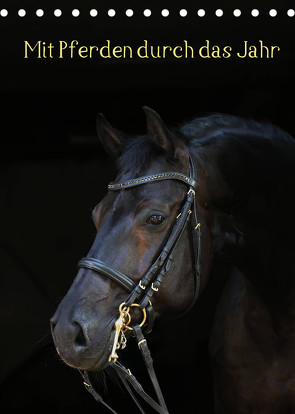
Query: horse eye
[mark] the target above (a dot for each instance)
(155, 219)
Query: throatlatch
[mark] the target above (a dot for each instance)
(142, 293)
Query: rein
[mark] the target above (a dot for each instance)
(141, 294)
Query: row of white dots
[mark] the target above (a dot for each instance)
(148, 13)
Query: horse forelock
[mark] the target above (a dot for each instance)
(137, 156)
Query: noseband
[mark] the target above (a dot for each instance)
(142, 293)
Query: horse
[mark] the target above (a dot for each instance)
(216, 186)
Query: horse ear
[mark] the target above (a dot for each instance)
(110, 137)
(160, 135)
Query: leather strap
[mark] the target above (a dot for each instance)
(128, 378)
(93, 392)
(124, 373)
(151, 178)
(154, 276)
(100, 267)
(148, 360)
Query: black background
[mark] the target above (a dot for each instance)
(54, 171)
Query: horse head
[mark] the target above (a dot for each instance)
(133, 226)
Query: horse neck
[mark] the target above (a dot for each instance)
(250, 185)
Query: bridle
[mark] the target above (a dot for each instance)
(141, 294)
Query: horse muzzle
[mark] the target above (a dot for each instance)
(80, 345)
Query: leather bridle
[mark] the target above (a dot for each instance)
(142, 293)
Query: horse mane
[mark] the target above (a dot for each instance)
(213, 130)
(201, 131)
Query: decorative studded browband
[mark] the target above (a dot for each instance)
(152, 178)
(142, 292)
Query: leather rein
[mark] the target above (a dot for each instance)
(141, 294)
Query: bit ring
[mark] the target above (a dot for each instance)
(129, 328)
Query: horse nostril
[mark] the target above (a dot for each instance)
(80, 339)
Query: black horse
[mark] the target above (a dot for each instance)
(244, 203)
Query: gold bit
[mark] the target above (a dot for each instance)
(118, 328)
(121, 326)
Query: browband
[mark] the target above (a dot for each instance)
(151, 178)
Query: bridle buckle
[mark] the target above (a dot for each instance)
(191, 191)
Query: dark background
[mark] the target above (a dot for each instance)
(54, 171)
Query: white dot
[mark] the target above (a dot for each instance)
(219, 12)
(39, 12)
(255, 13)
(129, 13)
(291, 12)
(111, 12)
(183, 13)
(201, 12)
(237, 12)
(147, 12)
(93, 13)
(165, 13)
(57, 13)
(3, 13)
(75, 13)
(21, 13)
(273, 13)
